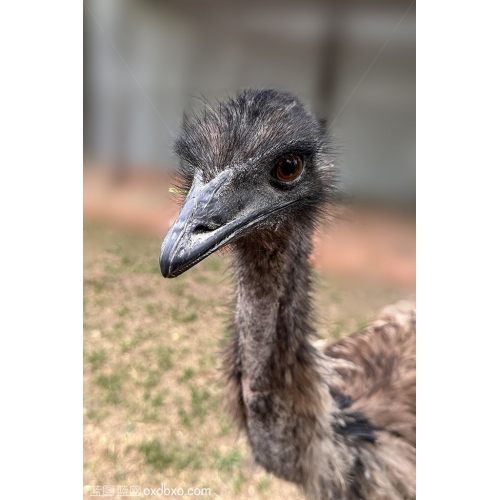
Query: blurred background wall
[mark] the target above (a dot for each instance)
(146, 62)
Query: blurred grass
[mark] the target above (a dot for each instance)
(153, 403)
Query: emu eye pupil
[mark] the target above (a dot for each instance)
(288, 168)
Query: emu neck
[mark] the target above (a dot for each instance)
(273, 311)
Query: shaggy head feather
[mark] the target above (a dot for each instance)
(250, 133)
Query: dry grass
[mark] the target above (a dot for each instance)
(153, 393)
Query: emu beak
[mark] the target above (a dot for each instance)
(208, 220)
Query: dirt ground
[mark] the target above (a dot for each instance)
(153, 406)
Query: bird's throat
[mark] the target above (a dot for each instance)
(273, 310)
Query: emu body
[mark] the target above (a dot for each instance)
(340, 423)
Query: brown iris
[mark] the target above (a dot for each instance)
(288, 168)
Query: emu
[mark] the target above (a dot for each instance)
(340, 423)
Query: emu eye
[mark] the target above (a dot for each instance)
(288, 168)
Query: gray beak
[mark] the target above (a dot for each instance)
(208, 220)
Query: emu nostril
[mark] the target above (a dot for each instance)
(208, 225)
(203, 228)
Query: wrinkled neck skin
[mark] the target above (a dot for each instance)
(273, 309)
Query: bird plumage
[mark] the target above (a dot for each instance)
(339, 422)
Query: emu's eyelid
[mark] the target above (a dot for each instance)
(302, 153)
(303, 158)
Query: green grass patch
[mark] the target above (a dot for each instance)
(112, 385)
(183, 316)
(160, 457)
(187, 374)
(155, 455)
(185, 418)
(157, 400)
(226, 462)
(200, 402)
(154, 309)
(98, 285)
(120, 476)
(238, 481)
(225, 425)
(262, 484)
(128, 344)
(164, 358)
(122, 311)
(97, 415)
(185, 458)
(127, 261)
(97, 359)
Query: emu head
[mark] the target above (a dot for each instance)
(252, 166)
